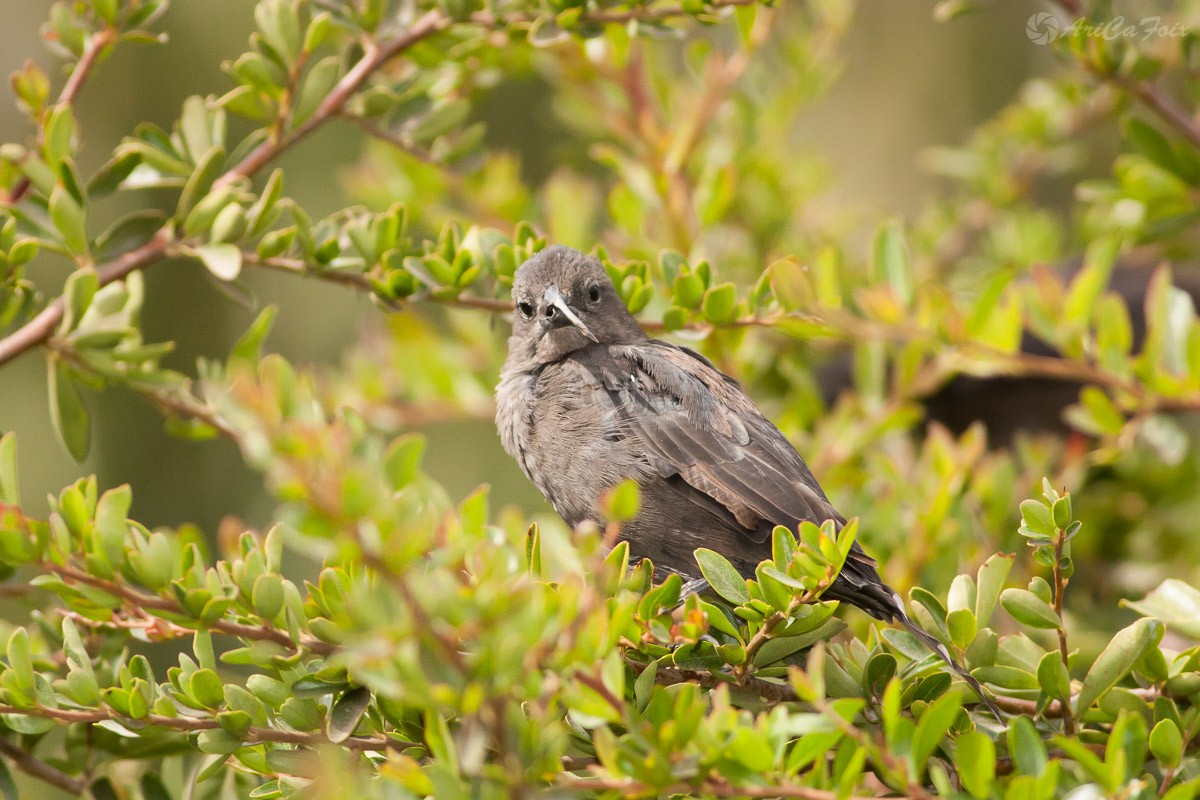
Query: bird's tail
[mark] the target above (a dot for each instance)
(936, 646)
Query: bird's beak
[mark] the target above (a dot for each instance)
(553, 299)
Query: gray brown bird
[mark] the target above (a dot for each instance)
(587, 400)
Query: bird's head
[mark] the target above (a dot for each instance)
(564, 301)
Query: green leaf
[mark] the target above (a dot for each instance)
(720, 304)
(1174, 602)
(1166, 743)
(9, 489)
(346, 712)
(20, 659)
(1053, 677)
(1025, 747)
(441, 119)
(267, 595)
(1029, 609)
(621, 503)
(722, 577)
(222, 260)
(890, 262)
(8, 785)
(206, 688)
(200, 182)
(1117, 659)
(317, 83)
(109, 177)
(935, 722)
(403, 459)
(68, 218)
(78, 292)
(67, 411)
(248, 349)
(1036, 516)
(975, 756)
(989, 584)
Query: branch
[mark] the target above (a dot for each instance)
(193, 724)
(27, 763)
(838, 321)
(1153, 97)
(375, 56)
(768, 690)
(141, 600)
(79, 75)
(1029, 708)
(42, 326)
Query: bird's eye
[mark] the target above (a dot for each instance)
(594, 293)
(526, 308)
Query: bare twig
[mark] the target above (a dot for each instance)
(35, 767)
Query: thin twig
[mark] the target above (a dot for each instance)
(35, 767)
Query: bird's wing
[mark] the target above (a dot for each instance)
(697, 423)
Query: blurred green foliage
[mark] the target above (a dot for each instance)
(445, 649)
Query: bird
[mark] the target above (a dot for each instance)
(586, 400)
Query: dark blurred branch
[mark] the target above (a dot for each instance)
(39, 769)
(79, 75)
(1153, 97)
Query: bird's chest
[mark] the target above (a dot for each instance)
(560, 429)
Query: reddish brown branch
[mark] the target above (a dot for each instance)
(141, 600)
(376, 56)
